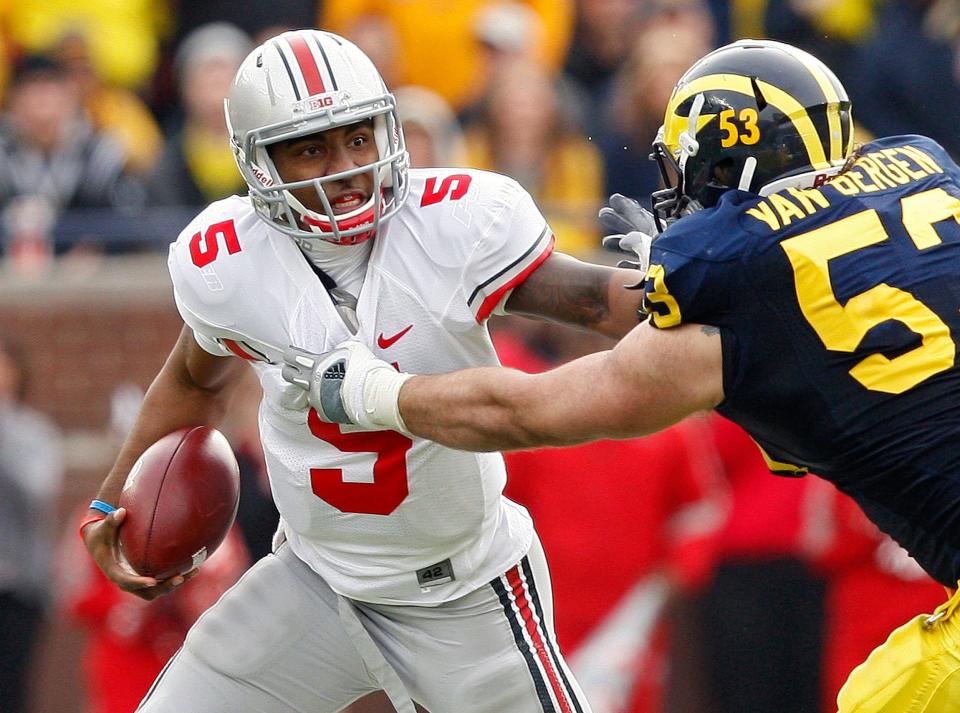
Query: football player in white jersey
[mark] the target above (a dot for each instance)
(398, 564)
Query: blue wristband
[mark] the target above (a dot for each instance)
(105, 508)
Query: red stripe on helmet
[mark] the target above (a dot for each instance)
(308, 65)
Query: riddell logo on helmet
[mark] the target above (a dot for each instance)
(821, 179)
(262, 176)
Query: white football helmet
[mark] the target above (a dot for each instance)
(300, 83)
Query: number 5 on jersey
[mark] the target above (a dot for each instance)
(389, 486)
(204, 247)
(842, 327)
(454, 186)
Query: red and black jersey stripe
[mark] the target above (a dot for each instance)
(488, 293)
(521, 604)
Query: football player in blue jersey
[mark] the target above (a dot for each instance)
(803, 287)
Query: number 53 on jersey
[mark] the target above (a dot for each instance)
(842, 327)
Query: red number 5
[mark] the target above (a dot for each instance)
(459, 182)
(389, 486)
(204, 248)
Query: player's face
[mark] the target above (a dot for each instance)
(324, 154)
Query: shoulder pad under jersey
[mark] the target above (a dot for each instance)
(235, 279)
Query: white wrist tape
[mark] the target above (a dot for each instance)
(375, 404)
(381, 394)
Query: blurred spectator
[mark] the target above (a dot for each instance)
(30, 477)
(831, 30)
(197, 165)
(602, 39)
(52, 161)
(615, 561)
(522, 132)
(115, 111)
(908, 75)
(762, 578)
(432, 35)
(128, 639)
(507, 35)
(430, 128)
(377, 36)
(508, 30)
(124, 36)
(663, 49)
(259, 20)
(49, 148)
(873, 585)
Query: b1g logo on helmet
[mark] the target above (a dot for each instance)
(319, 102)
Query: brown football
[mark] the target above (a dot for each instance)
(181, 498)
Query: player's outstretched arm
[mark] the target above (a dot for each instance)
(187, 391)
(569, 291)
(596, 297)
(650, 380)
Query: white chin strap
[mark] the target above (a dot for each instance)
(688, 139)
(382, 141)
(802, 180)
(746, 178)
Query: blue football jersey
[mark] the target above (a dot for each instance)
(839, 313)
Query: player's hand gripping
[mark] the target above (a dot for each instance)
(102, 540)
(633, 229)
(348, 385)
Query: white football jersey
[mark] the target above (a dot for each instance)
(382, 517)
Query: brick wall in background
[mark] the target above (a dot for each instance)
(87, 329)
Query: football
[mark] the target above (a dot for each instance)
(181, 498)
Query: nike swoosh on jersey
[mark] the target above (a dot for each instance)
(387, 342)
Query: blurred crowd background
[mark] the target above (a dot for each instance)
(686, 577)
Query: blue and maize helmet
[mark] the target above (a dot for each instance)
(755, 115)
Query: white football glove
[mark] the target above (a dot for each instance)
(348, 385)
(633, 229)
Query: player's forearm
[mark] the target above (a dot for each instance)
(639, 387)
(580, 294)
(493, 409)
(624, 303)
(166, 408)
(476, 409)
(174, 400)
